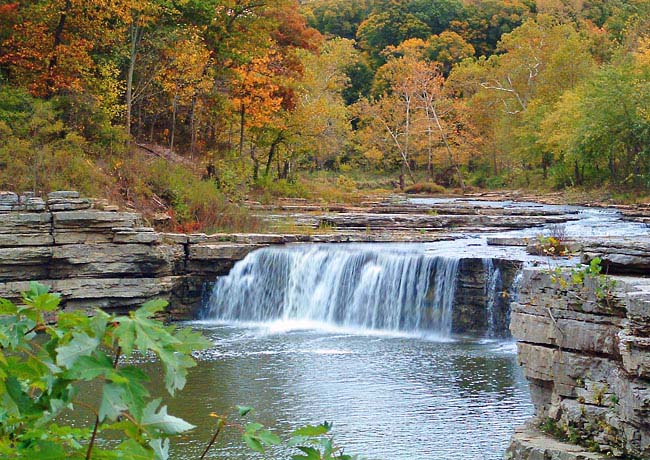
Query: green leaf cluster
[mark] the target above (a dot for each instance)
(44, 366)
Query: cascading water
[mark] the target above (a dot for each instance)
(382, 287)
(492, 288)
(377, 287)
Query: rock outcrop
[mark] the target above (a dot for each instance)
(584, 344)
(620, 255)
(98, 257)
(484, 283)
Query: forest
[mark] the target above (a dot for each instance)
(190, 107)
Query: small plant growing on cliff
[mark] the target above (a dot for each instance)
(603, 285)
(591, 274)
(553, 245)
(552, 428)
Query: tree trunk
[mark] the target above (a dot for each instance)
(429, 153)
(151, 128)
(138, 134)
(242, 119)
(272, 150)
(192, 127)
(448, 147)
(129, 74)
(58, 39)
(256, 163)
(171, 141)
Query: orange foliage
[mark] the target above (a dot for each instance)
(257, 92)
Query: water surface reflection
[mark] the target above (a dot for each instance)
(400, 398)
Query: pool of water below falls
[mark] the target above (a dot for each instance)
(390, 397)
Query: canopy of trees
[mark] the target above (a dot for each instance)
(490, 93)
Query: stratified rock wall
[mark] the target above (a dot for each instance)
(98, 257)
(584, 344)
(480, 300)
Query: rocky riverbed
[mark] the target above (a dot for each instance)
(584, 344)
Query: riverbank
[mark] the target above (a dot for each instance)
(583, 347)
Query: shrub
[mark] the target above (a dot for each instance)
(280, 188)
(43, 365)
(346, 183)
(429, 188)
(196, 203)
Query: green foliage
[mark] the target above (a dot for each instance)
(552, 428)
(587, 282)
(339, 18)
(390, 27)
(39, 152)
(195, 202)
(271, 188)
(43, 368)
(314, 444)
(437, 14)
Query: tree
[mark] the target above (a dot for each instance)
(143, 15)
(319, 127)
(414, 115)
(484, 22)
(539, 61)
(53, 42)
(390, 27)
(185, 73)
(600, 140)
(437, 14)
(448, 49)
(338, 18)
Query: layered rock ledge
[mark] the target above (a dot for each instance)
(584, 344)
(96, 256)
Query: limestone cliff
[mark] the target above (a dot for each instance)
(584, 344)
(96, 256)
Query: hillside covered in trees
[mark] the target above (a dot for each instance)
(189, 106)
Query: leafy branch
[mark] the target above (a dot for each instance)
(44, 366)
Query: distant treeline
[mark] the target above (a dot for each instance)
(549, 93)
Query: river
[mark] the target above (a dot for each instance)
(361, 335)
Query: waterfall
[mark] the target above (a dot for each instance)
(513, 292)
(377, 287)
(381, 287)
(492, 289)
